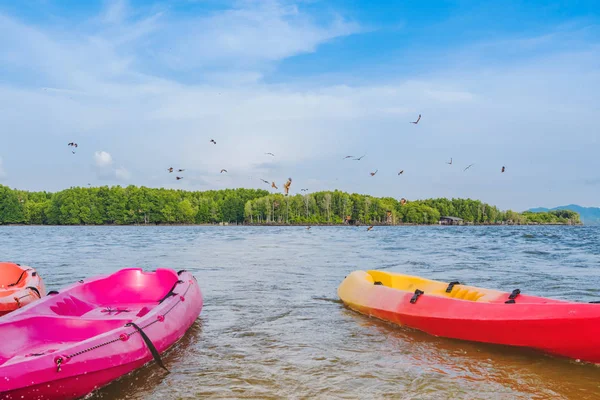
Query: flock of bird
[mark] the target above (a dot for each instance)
(288, 183)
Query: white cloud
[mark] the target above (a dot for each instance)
(122, 174)
(103, 159)
(248, 35)
(115, 11)
(105, 169)
(103, 91)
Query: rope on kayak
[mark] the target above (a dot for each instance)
(377, 283)
(171, 292)
(20, 277)
(150, 345)
(124, 336)
(451, 286)
(418, 293)
(513, 296)
(118, 311)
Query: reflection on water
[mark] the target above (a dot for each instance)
(273, 326)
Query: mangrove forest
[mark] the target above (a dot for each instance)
(134, 205)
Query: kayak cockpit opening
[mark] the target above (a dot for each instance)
(13, 276)
(453, 289)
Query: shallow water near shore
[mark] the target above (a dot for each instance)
(273, 327)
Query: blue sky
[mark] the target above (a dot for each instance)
(142, 86)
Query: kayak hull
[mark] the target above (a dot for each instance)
(82, 339)
(19, 286)
(74, 387)
(562, 328)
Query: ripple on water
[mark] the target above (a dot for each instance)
(273, 326)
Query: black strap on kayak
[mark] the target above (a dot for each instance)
(451, 286)
(594, 302)
(34, 289)
(171, 292)
(377, 283)
(181, 272)
(418, 292)
(20, 277)
(52, 292)
(150, 345)
(513, 296)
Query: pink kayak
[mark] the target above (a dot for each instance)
(68, 344)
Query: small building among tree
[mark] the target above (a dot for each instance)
(450, 221)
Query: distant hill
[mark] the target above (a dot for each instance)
(589, 215)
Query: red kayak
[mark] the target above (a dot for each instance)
(457, 311)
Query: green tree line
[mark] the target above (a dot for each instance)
(129, 205)
(335, 207)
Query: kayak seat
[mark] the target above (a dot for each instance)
(465, 294)
(12, 277)
(128, 286)
(410, 283)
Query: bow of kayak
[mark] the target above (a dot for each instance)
(66, 345)
(470, 313)
(19, 286)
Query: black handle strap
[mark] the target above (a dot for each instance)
(170, 292)
(415, 297)
(377, 283)
(451, 286)
(150, 345)
(34, 289)
(513, 296)
(20, 277)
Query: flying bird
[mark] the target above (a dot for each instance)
(348, 157)
(417, 121)
(274, 186)
(373, 173)
(180, 170)
(449, 163)
(179, 177)
(213, 141)
(286, 186)
(72, 144)
(401, 172)
(304, 190)
(359, 158)
(170, 169)
(469, 166)
(503, 168)
(223, 170)
(270, 154)
(267, 182)
(369, 228)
